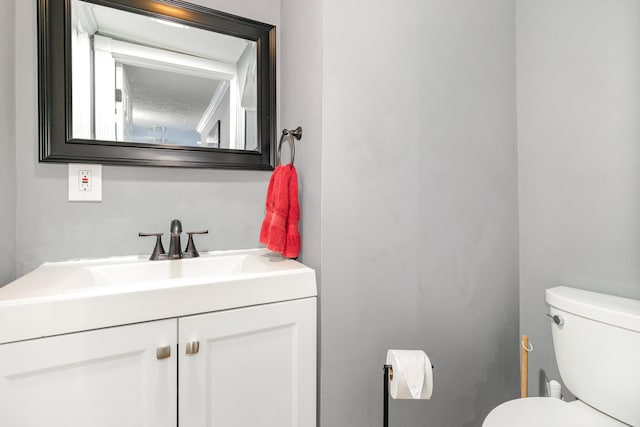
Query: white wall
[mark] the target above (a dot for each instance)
(7, 145)
(419, 206)
(229, 203)
(578, 155)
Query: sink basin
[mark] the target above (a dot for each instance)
(209, 267)
(71, 296)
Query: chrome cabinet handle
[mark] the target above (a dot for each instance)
(163, 352)
(557, 319)
(193, 347)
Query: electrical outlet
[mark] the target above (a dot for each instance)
(85, 183)
(84, 180)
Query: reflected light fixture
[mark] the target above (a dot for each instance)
(170, 23)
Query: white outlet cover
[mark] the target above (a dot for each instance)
(85, 183)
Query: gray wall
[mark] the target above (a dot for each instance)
(7, 146)
(301, 65)
(229, 203)
(578, 155)
(301, 105)
(419, 206)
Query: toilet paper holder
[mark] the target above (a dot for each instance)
(388, 376)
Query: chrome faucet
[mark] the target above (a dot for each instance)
(175, 246)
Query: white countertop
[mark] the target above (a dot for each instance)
(63, 297)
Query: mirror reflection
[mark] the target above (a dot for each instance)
(146, 80)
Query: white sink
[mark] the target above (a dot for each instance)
(71, 296)
(209, 267)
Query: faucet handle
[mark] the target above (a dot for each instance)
(198, 232)
(158, 250)
(190, 250)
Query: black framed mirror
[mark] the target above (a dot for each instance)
(155, 83)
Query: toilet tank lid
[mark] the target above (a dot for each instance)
(617, 311)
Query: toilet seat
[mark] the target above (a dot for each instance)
(547, 412)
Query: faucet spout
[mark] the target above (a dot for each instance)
(176, 226)
(175, 246)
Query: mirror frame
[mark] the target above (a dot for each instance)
(57, 144)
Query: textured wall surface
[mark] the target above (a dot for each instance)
(578, 68)
(419, 206)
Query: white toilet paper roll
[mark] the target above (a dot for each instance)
(412, 374)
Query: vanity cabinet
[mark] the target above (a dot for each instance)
(252, 366)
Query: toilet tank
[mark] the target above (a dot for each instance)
(598, 349)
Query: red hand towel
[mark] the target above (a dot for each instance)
(269, 208)
(276, 217)
(292, 244)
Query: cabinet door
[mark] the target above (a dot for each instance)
(108, 377)
(255, 367)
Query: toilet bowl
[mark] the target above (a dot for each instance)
(596, 339)
(547, 412)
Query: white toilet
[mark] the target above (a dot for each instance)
(597, 345)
